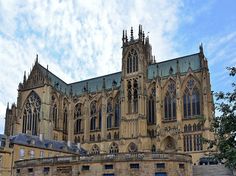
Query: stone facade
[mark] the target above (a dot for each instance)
(145, 164)
(147, 107)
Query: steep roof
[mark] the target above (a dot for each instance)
(34, 141)
(182, 64)
(162, 69)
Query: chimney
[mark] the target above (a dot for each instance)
(41, 137)
(69, 143)
(78, 145)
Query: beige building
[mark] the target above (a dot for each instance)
(5, 157)
(23, 147)
(147, 107)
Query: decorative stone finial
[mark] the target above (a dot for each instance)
(201, 48)
(131, 34)
(140, 32)
(143, 36)
(24, 79)
(103, 83)
(123, 37)
(36, 61)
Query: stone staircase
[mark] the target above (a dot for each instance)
(211, 170)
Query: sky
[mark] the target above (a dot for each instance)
(82, 39)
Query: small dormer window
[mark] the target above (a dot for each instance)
(50, 145)
(31, 153)
(32, 142)
(132, 61)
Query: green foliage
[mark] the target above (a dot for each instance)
(224, 125)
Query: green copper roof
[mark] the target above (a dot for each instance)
(96, 84)
(182, 64)
(162, 69)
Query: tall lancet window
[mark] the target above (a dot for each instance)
(117, 112)
(170, 102)
(109, 113)
(152, 107)
(100, 118)
(191, 99)
(78, 118)
(93, 111)
(132, 61)
(135, 98)
(65, 121)
(129, 97)
(54, 111)
(31, 114)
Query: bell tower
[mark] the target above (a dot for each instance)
(136, 56)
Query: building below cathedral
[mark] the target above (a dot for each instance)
(150, 118)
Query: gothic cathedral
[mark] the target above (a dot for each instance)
(147, 107)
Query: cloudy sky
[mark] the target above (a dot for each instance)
(82, 39)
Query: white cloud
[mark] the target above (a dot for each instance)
(77, 39)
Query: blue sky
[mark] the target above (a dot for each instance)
(82, 39)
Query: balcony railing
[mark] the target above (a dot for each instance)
(106, 158)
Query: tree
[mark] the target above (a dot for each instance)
(224, 125)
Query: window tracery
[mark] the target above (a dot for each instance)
(152, 107)
(191, 99)
(170, 102)
(78, 118)
(54, 112)
(117, 113)
(132, 61)
(193, 137)
(114, 148)
(129, 97)
(109, 114)
(31, 114)
(135, 99)
(95, 150)
(65, 120)
(93, 116)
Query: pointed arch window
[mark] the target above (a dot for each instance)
(109, 121)
(31, 114)
(100, 118)
(152, 107)
(65, 121)
(54, 112)
(93, 116)
(170, 102)
(153, 148)
(191, 100)
(54, 115)
(78, 119)
(95, 150)
(109, 114)
(117, 113)
(132, 61)
(129, 97)
(114, 148)
(135, 98)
